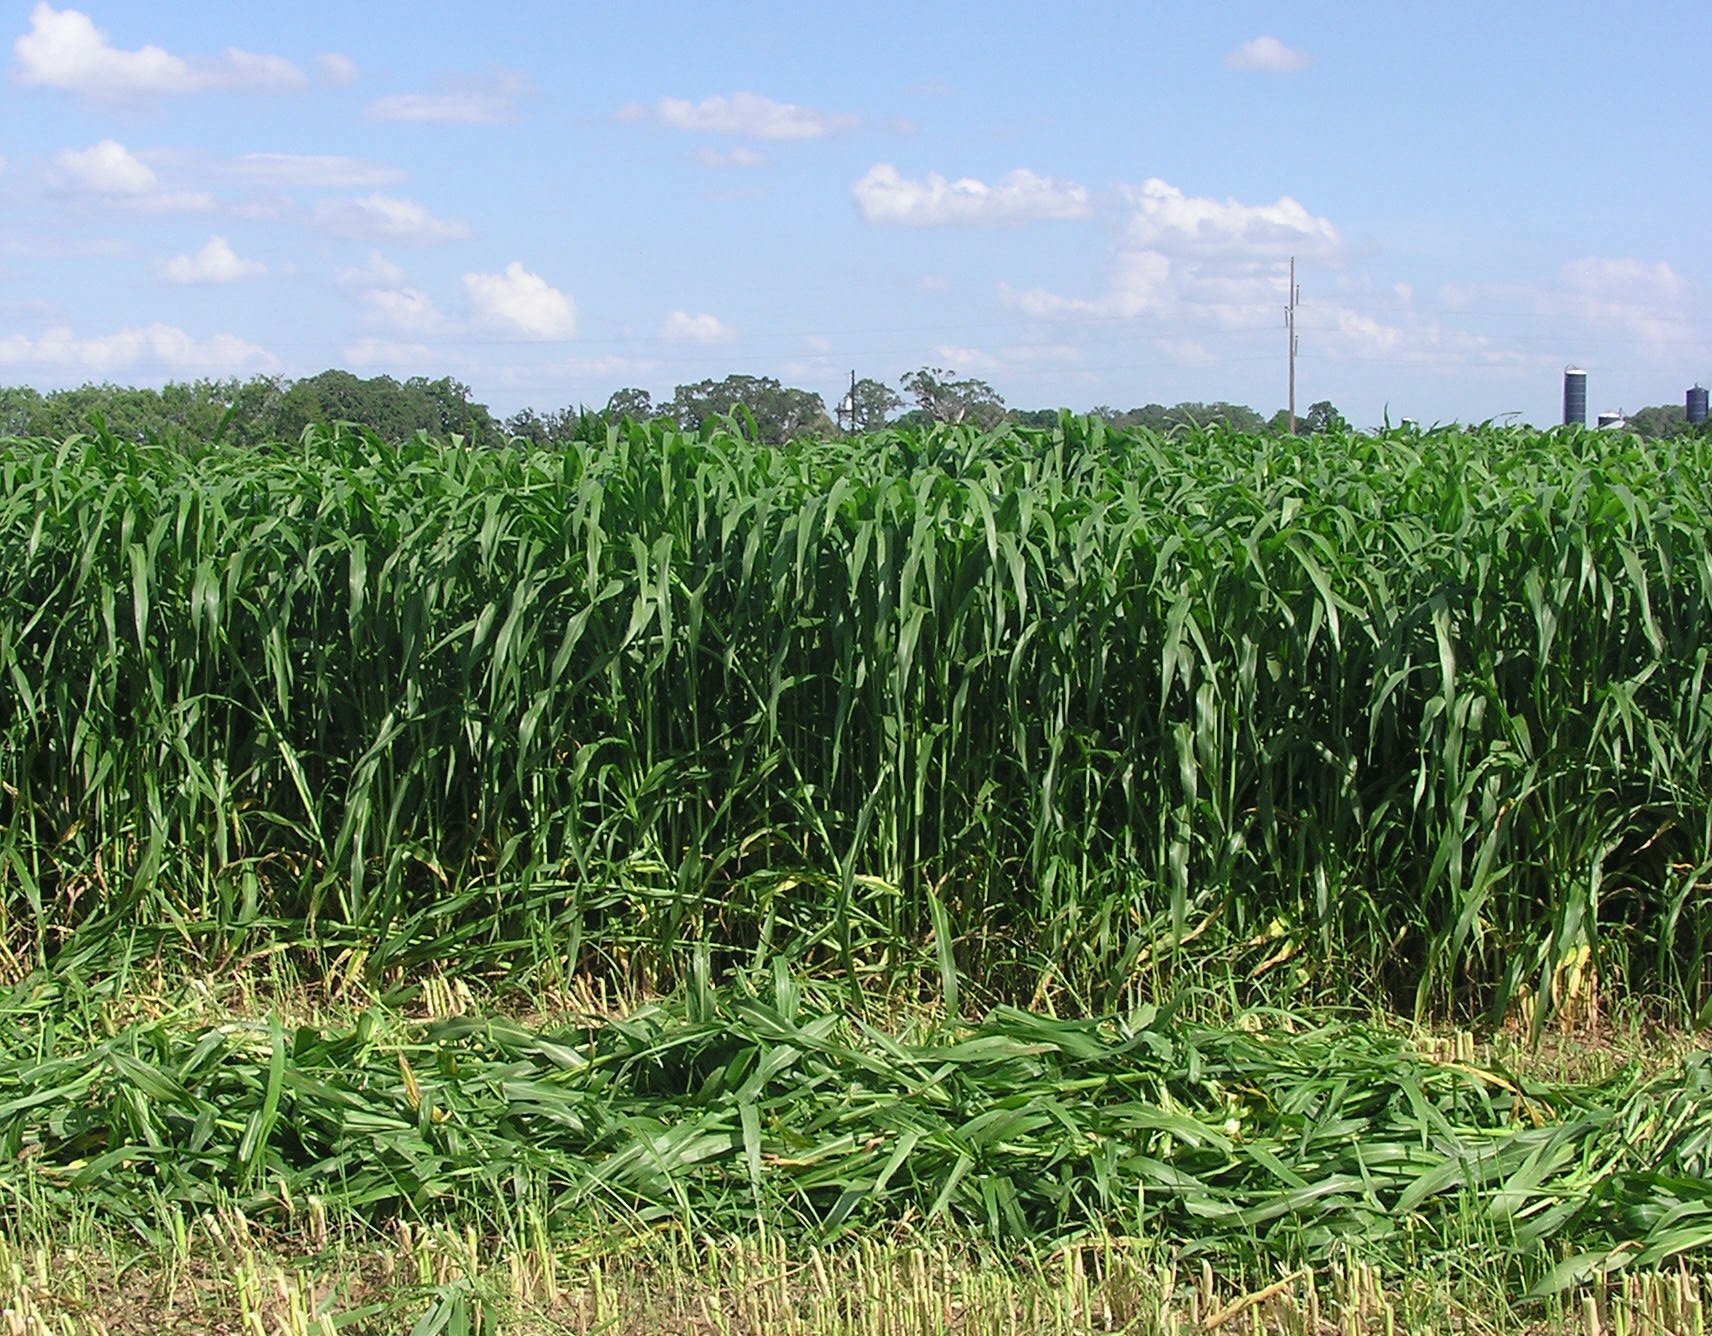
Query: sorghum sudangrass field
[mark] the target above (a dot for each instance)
(1016, 840)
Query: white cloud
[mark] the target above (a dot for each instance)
(1624, 279)
(408, 309)
(336, 69)
(107, 168)
(115, 175)
(216, 262)
(1649, 302)
(1195, 260)
(1196, 267)
(1266, 53)
(737, 157)
(522, 302)
(749, 115)
(1592, 301)
(377, 271)
(885, 196)
(1167, 220)
(64, 49)
(324, 170)
(387, 216)
(682, 326)
(155, 347)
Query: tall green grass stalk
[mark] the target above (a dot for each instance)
(1423, 712)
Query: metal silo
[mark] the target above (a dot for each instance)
(1696, 405)
(1574, 396)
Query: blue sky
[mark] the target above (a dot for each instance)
(1082, 204)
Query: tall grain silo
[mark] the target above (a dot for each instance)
(1696, 405)
(1574, 396)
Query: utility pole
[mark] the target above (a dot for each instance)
(847, 406)
(1290, 326)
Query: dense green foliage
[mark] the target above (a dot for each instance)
(850, 741)
(1080, 707)
(249, 412)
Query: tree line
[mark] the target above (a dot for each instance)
(273, 408)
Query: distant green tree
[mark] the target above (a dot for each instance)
(1659, 422)
(21, 411)
(632, 403)
(443, 407)
(1238, 417)
(390, 409)
(944, 398)
(554, 429)
(1185, 415)
(1323, 417)
(872, 404)
(781, 413)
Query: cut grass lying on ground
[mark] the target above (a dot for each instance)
(1271, 1142)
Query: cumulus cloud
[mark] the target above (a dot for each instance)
(1266, 53)
(313, 170)
(389, 217)
(886, 196)
(1196, 266)
(107, 168)
(1188, 258)
(64, 49)
(749, 115)
(336, 69)
(522, 302)
(1168, 220)
(682, 326)
(216, 262)
(112, 173)
(147, 348)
